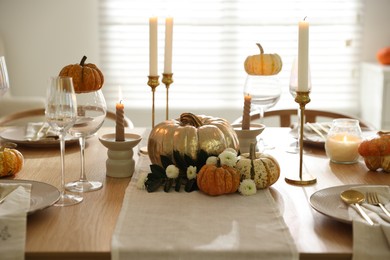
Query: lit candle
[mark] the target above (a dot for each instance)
(120, 126)
(303, 56)
(168, 45)
(245, 116)
(153, 46)
(343, 148)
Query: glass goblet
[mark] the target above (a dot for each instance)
(265, 92)
(91, 112)
(4, 81)
(60, 113)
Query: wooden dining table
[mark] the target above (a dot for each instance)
(84, 231)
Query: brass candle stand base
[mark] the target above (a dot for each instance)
(167, 80)
(153, 83)
(302, 99)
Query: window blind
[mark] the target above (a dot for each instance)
(211, 40)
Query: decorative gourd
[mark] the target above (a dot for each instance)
(262, 168)
(188, 135)
(217, 180)
(86, 77)
(376, 152)
(11, 161)
(383, 56)
(263, 64)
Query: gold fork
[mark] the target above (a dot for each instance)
(372, 198)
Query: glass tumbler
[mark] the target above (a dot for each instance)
(343, 141)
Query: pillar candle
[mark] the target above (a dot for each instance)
(245, 116)
(168, 45)
(303, 56)
(120, 126)
(153, 46)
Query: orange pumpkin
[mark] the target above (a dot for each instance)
(86, 77)
(11, 161)
(263, 64)
(217, 180)
(376, 152)
(383, 56)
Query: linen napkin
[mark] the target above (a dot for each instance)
(181, 225)
(39, 131)
(371, 242)
(13, 219)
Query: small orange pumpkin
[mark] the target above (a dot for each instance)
(263, 64)
(11, 161)
(376, 152)
(86, 77)
(383, 56)
(217, 180)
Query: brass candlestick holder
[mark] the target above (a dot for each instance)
(302, 99)
(167, 80)
(153, 83)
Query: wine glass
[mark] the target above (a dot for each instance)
(265, 92)
(91, 112)
(293, 86)
(4, 81)
(60, 113)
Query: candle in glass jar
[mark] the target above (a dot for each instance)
(343, 148)
(247, 108)
(120, 126)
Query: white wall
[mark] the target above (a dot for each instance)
(42, 36)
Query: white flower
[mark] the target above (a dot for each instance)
(231, 150)
(172, 171)
(247, 187)
(191, 172)
(212, 160)
(142, 178)
(228, 158)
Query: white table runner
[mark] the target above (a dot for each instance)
(181, 225)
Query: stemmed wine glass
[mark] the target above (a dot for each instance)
(265, 92)
(60, 113)
(91, 112)
(4, 81)
(293, 86)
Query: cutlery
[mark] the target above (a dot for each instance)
(372, 198)
(325, 130)
(315, 130)
(355, 197)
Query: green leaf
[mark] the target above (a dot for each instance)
(153, 182)
(191, 185)
(178, 183)
(202, 158)
(180, 162)
(158, 170)
(189, 161)
(165, 161)
(168, 185)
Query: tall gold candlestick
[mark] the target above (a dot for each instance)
(153, 83)
(167, 80)
(302, 99)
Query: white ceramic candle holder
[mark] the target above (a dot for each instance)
(120, 162)
(246, 137)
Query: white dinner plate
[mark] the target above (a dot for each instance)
(43, 195)
(328, 202)
(17, 135)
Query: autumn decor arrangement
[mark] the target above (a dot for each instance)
(11, 161)
(376, 152)
(86, 76)
(263, 64)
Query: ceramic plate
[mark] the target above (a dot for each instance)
(43, 195)
(329, 203)
(18, 135)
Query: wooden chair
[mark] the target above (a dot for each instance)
(38, 114)
(311, 115)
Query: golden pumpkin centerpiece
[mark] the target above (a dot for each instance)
(87, 77)
(188, 135)
(263, 64)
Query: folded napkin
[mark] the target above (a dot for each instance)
(309, 134)
(39, 131)
(13, 219)
(371, 242)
